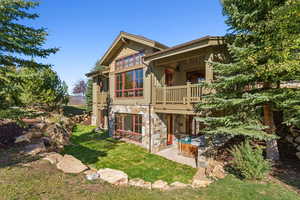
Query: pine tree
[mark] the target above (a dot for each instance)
(19, 44)
(265, 49)
(42, 87)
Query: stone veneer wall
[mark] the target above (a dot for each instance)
(159, 131)
(158, 124)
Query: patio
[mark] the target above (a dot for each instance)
(172, 153)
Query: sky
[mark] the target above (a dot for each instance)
(84, 29)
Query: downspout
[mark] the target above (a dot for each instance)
(150, 123)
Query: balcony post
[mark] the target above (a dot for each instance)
(165, 94)
(188, 87)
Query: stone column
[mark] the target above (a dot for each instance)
(95, 111)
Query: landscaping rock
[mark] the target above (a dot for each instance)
(289, 138)
(197, 183)
(115, 177)
(90, 171)
(161, 185)
(35, 133)
(53, 158)
(23, 138)
(137, 182)
(215, 170)
(298, 155)
(41, 125)
(34, 149)
(178, 185)
(92, 177)
(69, 164)
(297, 139)
(200, 174)
(298, 148)
(58, 136)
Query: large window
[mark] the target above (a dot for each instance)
(129, 126)
(129, 61)
(130, 83)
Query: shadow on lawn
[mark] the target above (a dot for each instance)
(288, 171)
(13, 156)
(84, 146)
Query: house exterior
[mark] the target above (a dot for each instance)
(146, 91)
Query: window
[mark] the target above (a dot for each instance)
(130, 83)
(129, 126)
(129, 61)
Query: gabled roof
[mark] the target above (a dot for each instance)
(187, 46)
(99, 69)
(119, 41)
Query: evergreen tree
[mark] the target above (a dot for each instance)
(265, 50)
(19, 44)
(42, 87)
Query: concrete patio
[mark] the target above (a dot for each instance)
(172, 153)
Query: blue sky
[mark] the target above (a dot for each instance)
(84, 29)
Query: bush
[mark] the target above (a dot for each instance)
(249, 162)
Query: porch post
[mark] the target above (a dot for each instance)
(188, 87)
(208, 68)
(165, 94)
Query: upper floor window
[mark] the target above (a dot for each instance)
(130, 83)
(129, 61)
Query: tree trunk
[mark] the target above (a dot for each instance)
(272, 148)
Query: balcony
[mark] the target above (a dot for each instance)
(181, 97)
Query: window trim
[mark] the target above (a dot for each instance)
(120, 64)
(134, 89)
(134, 120)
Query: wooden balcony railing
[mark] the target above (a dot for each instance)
(184, 94)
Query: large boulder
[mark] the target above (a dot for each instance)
(115, 177)
(161, 185)
(215, 170)
(204, 182)
(34, 149)
(298, 155)
(297, 139)
(200, 178)
(69, 164)
(23, 138)
(178, 185)
(58, 136)
(137, 182)
(53, 158)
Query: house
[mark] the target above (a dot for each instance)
(145, 91)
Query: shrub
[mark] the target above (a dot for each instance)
(249, 162)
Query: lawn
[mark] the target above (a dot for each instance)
(42, 180)
(20, 178)
(100, 151)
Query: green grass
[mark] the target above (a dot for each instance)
(42, 180)
(100, 151)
